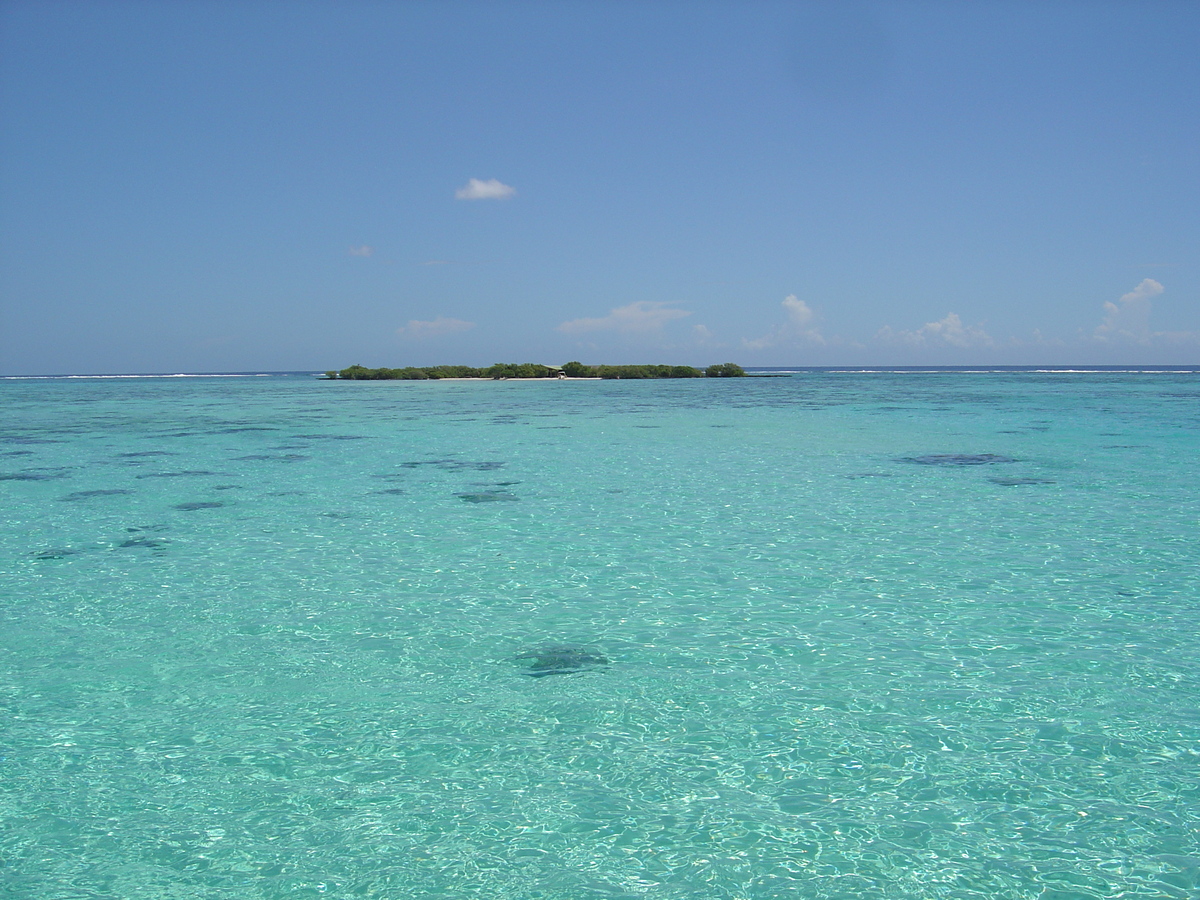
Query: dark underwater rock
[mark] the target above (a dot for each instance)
(1019, 480)
(36, 474)
(57, 553)
(88, 495)
(957, 459)
(564, 660)
(485, 496)
(280, 457)
(25, 439)
(454, 465)
(187, 473)
(198, 504)
(143, 543)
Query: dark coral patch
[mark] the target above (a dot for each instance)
(198, 504)
(486, 496)
(1019, 480)
(278, 457)
(187, 473)
(957, 459)
(43, 474)
(57, 553)
(143, 543)
(454, 465)
(25, 439)
(88, 495)
(567, 660)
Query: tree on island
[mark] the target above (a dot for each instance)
(576, 369)
(725, 370)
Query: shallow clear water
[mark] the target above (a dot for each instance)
(272, 638)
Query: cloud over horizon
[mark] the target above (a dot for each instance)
(636, 318)
(492, 189)
(1129, 318)
(946, 332)
(797, 328)
(419, 330)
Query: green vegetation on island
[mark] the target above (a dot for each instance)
(572, 369)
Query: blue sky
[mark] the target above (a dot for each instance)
(229, 186)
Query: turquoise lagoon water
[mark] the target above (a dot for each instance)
(867, 635)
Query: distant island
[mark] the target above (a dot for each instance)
(534, 370)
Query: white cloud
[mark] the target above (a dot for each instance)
(364, 250)
(636, 318)
(485, 190)
(799, 313)
(947, 332)
(703, 334)
(1129, 318)
(418, 330)
(796, 329)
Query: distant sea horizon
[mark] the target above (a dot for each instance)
(1046, 368)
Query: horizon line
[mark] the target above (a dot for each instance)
(1063, 368)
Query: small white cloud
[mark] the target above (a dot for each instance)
(799, 312)
(703, 334)
(797, 329)
(1037, 339)
(1129, 318)
(418, 330)
(639, 317)
(947, 332)
(364, 250)
(485, 190)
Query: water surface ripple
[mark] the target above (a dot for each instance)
(869, 635)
